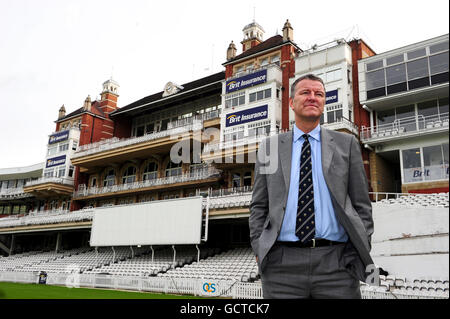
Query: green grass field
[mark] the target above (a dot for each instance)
(34, 291)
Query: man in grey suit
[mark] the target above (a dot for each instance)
(310, 215)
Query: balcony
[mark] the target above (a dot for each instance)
(406, 127)
(342, 124)
(49, 186)
(13, 193)
(115, 150)
(219, 152)
(204, 175)
(274, 72)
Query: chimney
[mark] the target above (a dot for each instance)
(231, 51)
(109, 95)
(87, 104)
(288, 33)
(62, 112)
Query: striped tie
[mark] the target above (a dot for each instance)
(305, 228)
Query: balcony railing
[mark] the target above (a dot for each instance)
(113, 143)
(11, 193)
(342, 123)
(270, 66)
(196, 175)
(406, 126)
(248, 140)
(45, 180)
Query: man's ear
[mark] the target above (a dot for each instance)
(291, 101)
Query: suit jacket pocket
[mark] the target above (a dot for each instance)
(352, 263)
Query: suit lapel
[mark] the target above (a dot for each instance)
(285, 153)
(328, 147)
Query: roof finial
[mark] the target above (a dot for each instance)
(254, 14)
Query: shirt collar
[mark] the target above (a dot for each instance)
(315, 133)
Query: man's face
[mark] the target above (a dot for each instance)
(308, 101)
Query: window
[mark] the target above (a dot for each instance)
(129, 175)
(248, 179)
(411, 165)
(275, 60)
(418, 75)
(110, 178)
(435, 164)
(48, 172)
(427, 108)
(443, 46)
(173, 169)
(443, 105)
(150, 171)
(439, 68)
(334, 75)
(416, 54)
(375, 84)
(63, 147)
(234, 100)
(395, 59)
(374, 65)
(236, 181)
(74, 145)
(260, 95)
(71, 170)
(62, 171)
(51, 150)
(396, 78)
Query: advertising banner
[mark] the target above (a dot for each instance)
(246, 81)
(55, 161)
(58, 137)
(331, 97)
(245, 116)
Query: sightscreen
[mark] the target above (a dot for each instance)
(165, 222)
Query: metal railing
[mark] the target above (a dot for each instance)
(189, 286)
(247, 140)
(406, 126)
(115, 142)
(341, 123)
(44, 180)
(199, 174)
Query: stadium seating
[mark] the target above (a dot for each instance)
(421, 200)
(236, 264)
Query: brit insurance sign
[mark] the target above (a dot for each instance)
(246, 81)
(245, 116)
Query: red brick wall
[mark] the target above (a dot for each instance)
(288, 69)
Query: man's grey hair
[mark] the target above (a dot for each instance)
(309, 76)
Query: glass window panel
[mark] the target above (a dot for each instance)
(338, 115)
(439, 47)
(259, 95)
(374, 65)
(405, 111)
(439, 63)
(396, 74)
(418, 69)
(252, 97)
(427, 108)
(412, 168)
(375, 79)
(386, 117)
(242, 99)
(267, 93)
(395, 59)
(416, 54)
(433, 162)
(331, 117)
(443, 105)
(446, 166)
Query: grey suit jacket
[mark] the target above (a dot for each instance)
(346, 179)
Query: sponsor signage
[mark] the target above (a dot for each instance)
(55, 161)
(245, 116)
(246, 81)
(58, 137)
(331, 97)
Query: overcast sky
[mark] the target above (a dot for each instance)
(57, 52)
